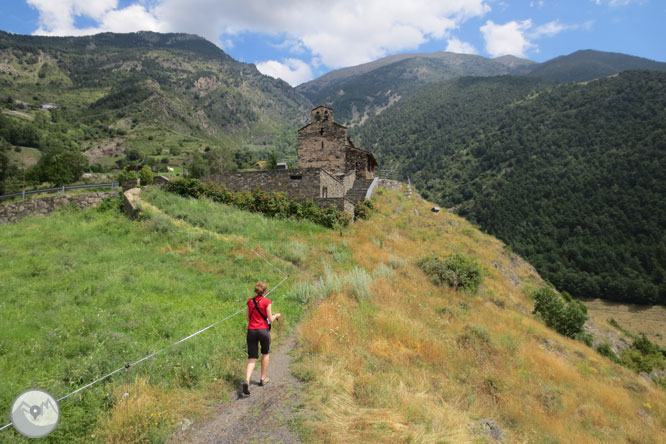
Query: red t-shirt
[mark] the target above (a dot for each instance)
(257, 321)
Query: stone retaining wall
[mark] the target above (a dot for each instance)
(15, 211)
(339, 203)
(298, 183)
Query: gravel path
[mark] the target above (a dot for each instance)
(260, 418)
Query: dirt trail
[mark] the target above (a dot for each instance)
(260, 418)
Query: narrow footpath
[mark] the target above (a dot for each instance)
(263, 417)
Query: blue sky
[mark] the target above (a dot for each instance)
(298, 40)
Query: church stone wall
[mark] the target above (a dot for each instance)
(334, 187)
(296, 183)
(358, 160)
(348, 180)
(322, 145)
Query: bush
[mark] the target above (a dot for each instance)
(363, 209)
(567, 318)
(358, 280)
(643, 356)
(605, 350)
(146, 175)
(186, 188)
(60, 167)
(268, 203)
(457, 271)
(127, 175)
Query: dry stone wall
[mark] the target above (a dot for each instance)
(15, 211)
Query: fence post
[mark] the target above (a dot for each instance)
(23, 194)
(63, 190)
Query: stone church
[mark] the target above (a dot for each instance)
(331, 170)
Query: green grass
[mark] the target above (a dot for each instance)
(84, 293)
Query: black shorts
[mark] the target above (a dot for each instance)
(254, 338)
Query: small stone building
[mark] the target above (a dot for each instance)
(324, 144)
(331, 170)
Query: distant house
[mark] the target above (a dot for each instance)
(48, 106)
(331, 170)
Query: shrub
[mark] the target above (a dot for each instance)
(269, 203)
(146, 175)
(605, 350)
(643, 355)
(358, 280)
(363, 209)
(383, 270)
(457, 271)
(127, 175)
(304, 292)
(186, 188)
(396, 262)
(567, 318)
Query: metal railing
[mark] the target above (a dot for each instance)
(62, 190)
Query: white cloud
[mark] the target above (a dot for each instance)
(334, 33)
(292, 71)
(460, 47)
(517, 38)
(547, 30)
(508, 38)
(57, 17)
(338, 32)
(617, 3)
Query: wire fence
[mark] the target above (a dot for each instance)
(180, 341)
(62, 190)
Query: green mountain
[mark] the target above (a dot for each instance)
(362, 91)
(154, 93)
(582, 66)
(573, 177)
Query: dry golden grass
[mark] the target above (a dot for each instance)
(634, 318)
(422, 364)
(140, 408)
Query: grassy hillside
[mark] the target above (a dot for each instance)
(84, 293)
(571, 177)
(408, 361)
(387, 356)
(163, 99)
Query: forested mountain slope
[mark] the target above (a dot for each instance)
(573, 177)
(361, 91)
(585, 65)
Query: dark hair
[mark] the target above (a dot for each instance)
(260, 288)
